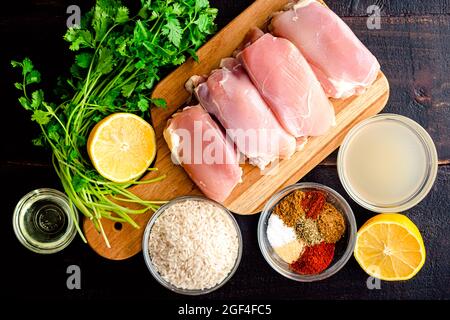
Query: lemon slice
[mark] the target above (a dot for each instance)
(390, 247)
(122, 146)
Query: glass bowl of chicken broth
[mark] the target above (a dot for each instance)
(387, 163)
(307, 232)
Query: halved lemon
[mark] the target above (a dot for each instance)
(122, 146)
(390, 247)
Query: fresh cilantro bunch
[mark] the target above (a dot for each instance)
(119, 58)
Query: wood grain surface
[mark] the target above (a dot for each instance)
(413, 47)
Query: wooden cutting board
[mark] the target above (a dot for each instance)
(251, 195)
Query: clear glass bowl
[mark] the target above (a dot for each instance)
(152, 268)
(344, 247)
(28, 224)
(431, 164)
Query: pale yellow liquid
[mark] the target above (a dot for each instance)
(385, 163)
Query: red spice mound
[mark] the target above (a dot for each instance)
(314, 259)
(313, 203)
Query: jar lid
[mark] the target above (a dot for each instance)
(44, 221)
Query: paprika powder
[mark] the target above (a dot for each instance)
(314, 259)
(312, 203)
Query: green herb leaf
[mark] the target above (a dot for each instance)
(193, 54)
(140, 32)
(79, 38)
(76, 72)
(38, 142)
(122, 15)
(177, 9)
(83, 60)
(53, 132)
(36, 99)
(80, 141)
(41, 117)
(15, 64)
(73, 154)
(27, 66)
(97, 118)
(78, 183)
(161, 103)
(33, 76)
(200, 4)
(173, 31)
(143, 104)
(25, 103)
(128, 89)
(100, 23)
(110, 98)
(203, 22)
(105, 62)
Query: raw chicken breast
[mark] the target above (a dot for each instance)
(199, 145)
(343, 65)
(231, 97)
(288, 84)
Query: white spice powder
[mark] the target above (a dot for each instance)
(194, 244)
(278, 233)
(283, 239)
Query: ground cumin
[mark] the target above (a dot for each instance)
(330, 223)
(289, 209)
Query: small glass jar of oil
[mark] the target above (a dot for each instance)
(43, 221)
(387, 163)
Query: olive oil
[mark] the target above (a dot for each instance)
(43, 221)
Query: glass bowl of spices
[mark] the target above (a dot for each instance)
(307, 232)
(192, 245)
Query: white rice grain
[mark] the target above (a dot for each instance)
(193, 245)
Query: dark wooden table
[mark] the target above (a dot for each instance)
(413, 46)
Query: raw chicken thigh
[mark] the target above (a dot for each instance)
(231, 97)
(343, 65)
(200, 146)
(288, 84)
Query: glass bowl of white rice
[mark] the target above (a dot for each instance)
(192, 245)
